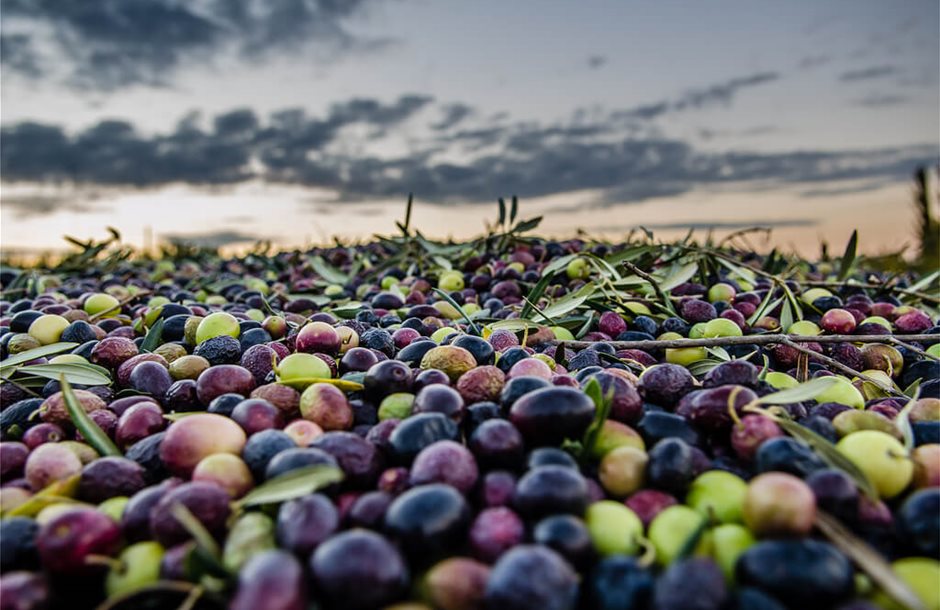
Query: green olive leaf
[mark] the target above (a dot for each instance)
(805, 391)
(290, 485)
(93, 434)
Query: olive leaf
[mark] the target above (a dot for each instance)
(290, 485)
(903, 421)
(848, 257)
(38, 352)
(680, 276)
(869, 560)
(570, 302)
(302, 382)
(74, 372)
(602, 406)
(93, 434)
(805, 391)
(463, 314)
(327, 271)
(60, 492)
(828, 452)
(154, 334)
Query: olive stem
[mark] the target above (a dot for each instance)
(745, 340)
(843, 368)
(119, 306)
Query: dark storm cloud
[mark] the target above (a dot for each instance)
(868, 73)
(619, 162)
(109, 44)
(17, 54)
(596, 61)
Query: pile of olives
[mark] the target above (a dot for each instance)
(468, 458)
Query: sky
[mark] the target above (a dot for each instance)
(229, 121)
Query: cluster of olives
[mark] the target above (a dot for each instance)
(475, 469)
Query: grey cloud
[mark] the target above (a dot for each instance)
(109, 44)
(213, 239)
(596, 61)
(17, 54)
(29, 206)
(723, 93)
(881, 100)
(529, 159)
(813, 61)
(452, 115)
(869, 73)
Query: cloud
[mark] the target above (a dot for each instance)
(599, 152)
(869, 73)
(453, 114)
(212, 239)
(881, 100)
(596, 61)
(723, 93)
(110, 44)
(813, 61)
(17, 54)
(30, 206)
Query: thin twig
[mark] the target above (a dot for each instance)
(913, 348)
(841, 367)
(746, 340)
(914, 293)
(119, 306)
(652, 281)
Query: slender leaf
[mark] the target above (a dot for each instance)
(742, 272)
(680, 276)
(869, 560)
(463, 314)
(81, 374)
(514, 325)
(408, 213)
(527, 225)
(786, 316)
(925, 281)
(93, 434)
(196, 529)
(60, 492)
(303, 382)
(805, 391)
(692, 540)
(828, 452)
(701, 367)
(502, 212)
(903, 421)
(765, 305)
(293, 484)
(327, 271)
(514, 209)
(152, 339)
(442, 262)
(848, 257)
(570, 301)
(602, 405)
(37, 352)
